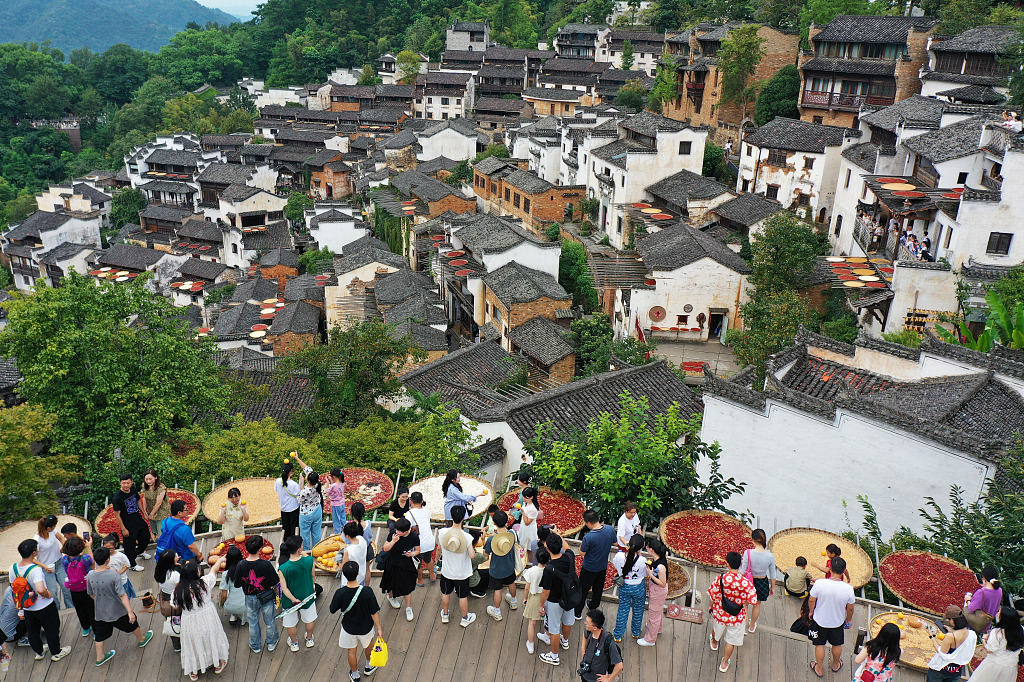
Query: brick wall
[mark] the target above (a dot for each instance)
(290, 342)
(564, 370)
(281, 273)
(908, 81)
(340, 182)
(344, 106)
(454, 203)
(542, 108)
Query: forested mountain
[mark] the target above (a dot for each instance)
(98, 24)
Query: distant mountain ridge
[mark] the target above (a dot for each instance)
(98, 24)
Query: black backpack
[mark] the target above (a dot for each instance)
(572, 589)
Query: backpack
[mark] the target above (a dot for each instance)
(25, 594)
(167, 540)
(75, 570)
(572, 590)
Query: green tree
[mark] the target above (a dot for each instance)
(1010, 287)
(771, 321)
(144, 113)
(669, 15)
(714, 161)
(592, 337)
(125, 206)
(112, 363)
(574, 275)
(448, 441)
(784, 254)
(632, 95)
(960, 15)
(904, 337)
(634, 455)
(1005, 326)
(20, 207)
(781, 14)
(820, 12)
(318, 260)
(376, 443)
(118, 72)
(462, 173)
(194, 57)
(349, 374)
(665, 88)
(46, 97)
(496, 149)
(634, 351)
(369, 76)
(407, 63)
(738, 58)
(627, 55)
(295, 208)
(29, 471)
(779, 96)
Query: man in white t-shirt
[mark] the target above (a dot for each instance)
(419, 516)
(457, 553)
(41, 616)
(627, 527)
(831, 604)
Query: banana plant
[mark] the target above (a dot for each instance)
(1003, 326)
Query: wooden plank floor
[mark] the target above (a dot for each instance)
(424, 650)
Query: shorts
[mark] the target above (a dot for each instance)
(426, 557)
(290, 620)
(556, 617)
(823, 636)
(347, 641)
(498, 583)
(730, 634)
(763, 587)
(102, 629)
(459, 587)
(532, 611)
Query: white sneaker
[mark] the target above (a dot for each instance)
(146, 555)
(513, 603)
(310, 643)
(61, 654)
(294, 646)
(444, 617)
(544, 637)
(395, 604)
(408, 613)
(467, 620)
(137, 568)
(529, 646)
(549, 658)
(354, 675)
(494, 613)
(644, 642)
(565, 642)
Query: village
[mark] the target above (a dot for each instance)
(552, 266)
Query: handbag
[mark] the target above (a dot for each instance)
(800, 627)
(520, 559)
(172, 626)
(749, 574)
(728, 605)
(266, 596)
(379, 655)
(166, 608)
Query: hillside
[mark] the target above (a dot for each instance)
(98, 24)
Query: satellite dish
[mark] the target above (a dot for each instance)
(657, 313)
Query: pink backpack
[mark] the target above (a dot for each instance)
(76, 569)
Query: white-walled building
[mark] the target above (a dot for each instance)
(794, 162)
(76, 197)
(876, 419)
(456, 138)
(443, 95)
(334, 225)
(42, 232)
(541, 143)
(970, 67)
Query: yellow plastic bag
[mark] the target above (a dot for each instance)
(379, 657)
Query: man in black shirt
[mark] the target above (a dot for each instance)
(598, 653)
(559, 621)
(134, 526)
(360, 613)
(257, 577)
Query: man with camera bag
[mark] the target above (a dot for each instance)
(600, 658)
(729, 596)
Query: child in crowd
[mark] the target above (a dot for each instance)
(532, 576)
(119, 562)
(336, 494)
(489, 527)
(832, 550)
(798, 579)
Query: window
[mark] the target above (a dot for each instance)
(444, 101)
(776, 157)
(839, 225)
(526, 205)
(618, 225)
(746, 185)
(497, 313)
(961, 179)
(819, 119)
(772, 191)
(682, 319)
(848, 174)
(750, 151)
(234, 248)
(949, 235)
(458, 101)
(515, 201)
(508, 194)
(487, 307)
(808, 162)
(999, 243)
(684, 148)
(622, 181)
(430, 100)
(802, 199)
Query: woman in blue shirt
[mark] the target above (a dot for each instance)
(453, 495)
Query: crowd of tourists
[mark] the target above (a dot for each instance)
(58, 567)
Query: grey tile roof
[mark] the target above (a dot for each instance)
(443, 78)
(174, 157)
(491, 451)
(589, 29)
(395, 90)
(967, 78)
(616, 152)
(862, 155)
(490, 164)
(649, 123)
(298, 318)
(512, 106)
(646, 36)
(37, 223)
(572, 407)
(168, 213)
(412, 182)
(167, 186)
(684, 186)
(426, 337)
(256, 289)
(346, 264)
(225, 140)
(954, 141)
(237, 321)
(463, 126)
(201, 269)
(129, 256)
(305, 288)
(989, 39)
(872, 29)
(287, 396)
(747, 209)
(322, 157)
(91, 193)
(470, 26)
(10, 376)
(458, 375)
(63, 252)
(227, 174)
(712, 32)
(681, 245)
(499, 53)
(515, 283)
(277, 235)
(501, 71)
(330, 216)
(436, 164)
(554, 94)
(528, 181)
(421, 306)
(398, 286)
(364, 243)
(283, 257)
(542, 340)
(869, 67)
(205, 230)
(795, 135)
(486, 233)
(915, 107)
(406, 138)
(975, 94)
(239, 192)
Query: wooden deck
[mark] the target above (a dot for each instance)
(424, 650)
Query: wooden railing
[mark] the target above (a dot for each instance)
(844, 100)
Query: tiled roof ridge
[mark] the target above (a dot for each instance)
(806, 336)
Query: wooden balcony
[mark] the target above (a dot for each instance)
(839, 100)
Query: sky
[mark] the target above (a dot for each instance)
(239, 8)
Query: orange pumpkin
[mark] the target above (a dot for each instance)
(240, 538)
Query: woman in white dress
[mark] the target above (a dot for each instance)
(1003, 642)
(528, 523)
(203, 642)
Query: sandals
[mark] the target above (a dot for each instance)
(835, 670)
(217, 670)
(724, 667)
(714, 644)
(812, 664)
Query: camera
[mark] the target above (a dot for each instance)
(584, 669)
